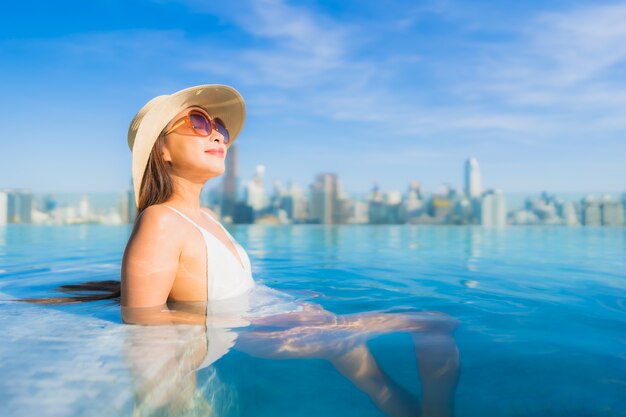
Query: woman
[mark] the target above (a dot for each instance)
(182, 266)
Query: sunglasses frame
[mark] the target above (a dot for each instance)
(186, 119)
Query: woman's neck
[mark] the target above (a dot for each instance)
(186, 195)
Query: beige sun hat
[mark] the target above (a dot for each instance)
(217, 100)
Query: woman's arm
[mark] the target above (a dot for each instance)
(160, 315)
(150, 264)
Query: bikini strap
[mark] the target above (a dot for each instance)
(219, 224)
(187, 218)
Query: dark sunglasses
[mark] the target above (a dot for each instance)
(197, 123)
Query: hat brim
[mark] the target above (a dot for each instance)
(219, 101)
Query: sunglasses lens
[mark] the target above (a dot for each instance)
(219, 126)
(200, 124)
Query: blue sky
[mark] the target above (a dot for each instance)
(377, 92)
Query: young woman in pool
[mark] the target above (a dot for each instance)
(182, 266)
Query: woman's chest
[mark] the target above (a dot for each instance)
(190, 283)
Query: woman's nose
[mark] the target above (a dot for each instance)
(215, 135)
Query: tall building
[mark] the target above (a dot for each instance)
(359, 212)
(473, 187)
(376, 210)
(84, 208)
(441, 204)
(612, 212)
(128, 209)
(295, 203)
(394, 213)
(229, 182)
(256, 197)
(325, 206)
(462, 212)
(493, 209)
(413, 203)
(568, 213)
(591, 213)
(19, 206)
(4, 208)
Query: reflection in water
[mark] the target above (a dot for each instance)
(256, 237)
(473, 241)
(83, 232)
(164, 359)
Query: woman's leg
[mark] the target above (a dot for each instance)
(321, 334)
(360, 367)
(438, 363)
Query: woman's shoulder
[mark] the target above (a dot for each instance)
(157, 213)
(160, 216)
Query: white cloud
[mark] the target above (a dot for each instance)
(562, 63)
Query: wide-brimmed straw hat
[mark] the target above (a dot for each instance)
(217, 100)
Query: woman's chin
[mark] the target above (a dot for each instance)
(216, 169)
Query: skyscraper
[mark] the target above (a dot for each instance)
(493, 209)
(591, 212)
(19, 206)
(128, 209)
(376, 210)
(4, 208)
(229, 196)
(325, 199)
(473, 187)
(299, 203)
(256, 197)
(612, 212)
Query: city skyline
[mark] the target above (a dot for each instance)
(325, 202)
(379, 93)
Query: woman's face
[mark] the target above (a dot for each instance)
(191, 156)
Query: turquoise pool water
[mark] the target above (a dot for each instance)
(541, 316)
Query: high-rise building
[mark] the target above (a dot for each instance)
(84, 209)
(19, 206)
(413, 203)
(377, 209)
(128, 209)
(229, 182)
(256, 197)
(441, 203)
(612, 212)
(123, 207)
(473, 187)
(591, 213)
(393, 200)
(462, 212)
(359, 212)
(325, 199)
(568, 213)
(4, 208)
(300, 211)
(493, 209)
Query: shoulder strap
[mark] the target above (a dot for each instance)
(220, 225)
(187, 218)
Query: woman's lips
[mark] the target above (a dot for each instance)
(216, 152)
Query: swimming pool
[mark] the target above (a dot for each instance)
(541, 315)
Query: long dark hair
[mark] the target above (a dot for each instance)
(156, 187)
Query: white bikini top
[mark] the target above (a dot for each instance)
(226, 276)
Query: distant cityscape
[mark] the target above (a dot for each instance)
(326, 203)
